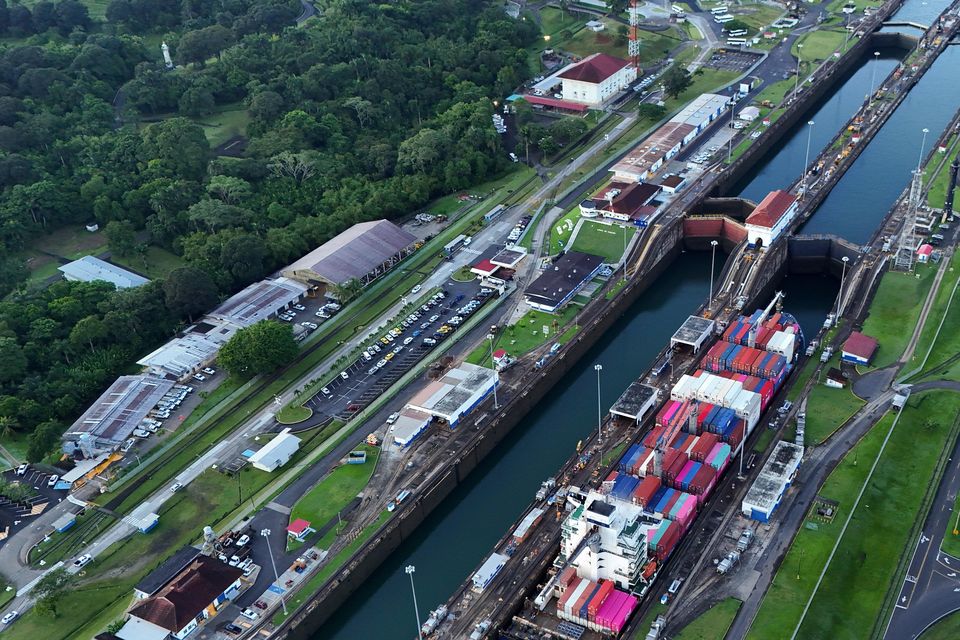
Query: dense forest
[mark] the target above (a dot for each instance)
(367, 111)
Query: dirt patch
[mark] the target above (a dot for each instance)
(235, 147)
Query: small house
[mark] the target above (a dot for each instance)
(835, 379)
(859, 348)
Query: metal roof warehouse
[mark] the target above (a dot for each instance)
(259, 301)
(693, 332)
(768, 489)
(636, 401)
(116, 413)
(561, 280)
(456, 393)
(90, 268)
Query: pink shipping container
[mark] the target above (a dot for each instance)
(620, 619)
(685, 516)
(610, 608)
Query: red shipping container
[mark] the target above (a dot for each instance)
(702, 415)
(703, 480)
(673, 464)
(672, 502)
(704, 446)
(566, 577)
(582, 600)
(650, 440)
(645, 490)
(605, 588)
(736, 437)
(568, 593)
(668, 541)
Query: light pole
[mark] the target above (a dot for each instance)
(713, 256)
(266, 536)
(796, 85)
(496, 404)
(733, 109)
(806, 162)
(873, 77)
(598, 368)
(923, 143)
(843, 275)
(624, 259)
(409, 570)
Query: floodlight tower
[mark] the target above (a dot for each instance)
(633, 45)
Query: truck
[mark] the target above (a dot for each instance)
(453, 246)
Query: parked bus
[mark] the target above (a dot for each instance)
(454, 245)
(736, 42)
(720, 10)
(736, 33)
(723, 19)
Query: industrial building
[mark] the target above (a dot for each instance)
(859, 348)
(596, 79)
(186, 354)
(529, 521)
(620, 201)
(694, 333)
(770, 486)
(277, 452)
(636, 402)
(456, 393)
(115, 414)
(701, 111)
(774, 214)
(90, 268)
(561, 280)
(194, 595)
(259, 301)
(167, 571)
(409, 425)
(489, 570)
(364, 252)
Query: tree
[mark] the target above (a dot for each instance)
(229, 189)
(196, 101)
(347, 291)
(676, 80)
(7, 426)
(650, 111)
(197, 46)
(616, 7)
(13, 364)
(89, 330)
(42, 441)
(49, 589)
(188, 291)
(261, 348)
(176, 147)
(121, 237)
(299, 166)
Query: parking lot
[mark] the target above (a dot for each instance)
(729, 60)
(16, 515)
(366, 379)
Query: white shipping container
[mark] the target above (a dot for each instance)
(783, 343)
(746, 404)
(685, 388)
(647, 464)
(577, 593)
(735, 390)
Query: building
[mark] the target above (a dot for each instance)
(455, 394)
(859, 348)
(194, 595)
(923, 253)
(277, 452)
(259, 301)
(693, 333)
(768, 489)
(115, 414)
(774, 213)
(643, 161)
(673, 183)
(409, 425)
(88, 468)
(620, 201)
(701, 111)
(596, 26)
(835, 379)
(167, 571)
(749, 114)
(187, 354)
(363, 252)
(620, 552)
(596, 79)
(561, 280)
(299, 529)
(489, 570)
(636, 402)
(89, 268)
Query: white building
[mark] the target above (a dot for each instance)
(277, 452)
(770, 218)
(489, 570)
(620, 551)
(701, 111)
(89, 268)
(596, 79)
(749, 114)
(409, 425)
(456, 393)
(770, 486)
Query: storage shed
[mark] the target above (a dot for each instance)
(694, 332)
(277, 452)
(770, 486)
(489, 570)
(859, 348)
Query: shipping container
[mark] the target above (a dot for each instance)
(597, 601)
(581, 600)
(572, 592)
(646, 490)
(673, 462)
(584, 612)
(566, 578)
(664, 500)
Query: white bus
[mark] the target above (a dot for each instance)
(736, 42)
(736, 33)
(719, 10)
(723, 19)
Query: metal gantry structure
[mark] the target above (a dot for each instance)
(633, 44)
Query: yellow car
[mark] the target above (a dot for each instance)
(388, 357)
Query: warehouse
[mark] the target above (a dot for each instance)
(529, 521)
(774, 213)
(596, 79)
(701, 111)
(183, 356)
(363, 252)
(620, 201)
(770, 486)
(489, 570)
(561, 280)
(694, 333)
(276, 453)
(89, 268)
(259, 301)
(456, 393)
(646, 158)
(116, 413)
(409, 425)
(859, 348)
(636, 401)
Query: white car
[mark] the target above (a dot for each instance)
(299, 307)
(10, 617)
(82, 561)
(408, 340)
(53, 480)
(344, 375)
(209, 371)
(250, 614)
(325, 391)
(176, 486)
(242, 540)
(393, 418)
(416, 289)
(22, 469)
(308, 325)
(199, 377)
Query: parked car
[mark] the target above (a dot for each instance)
(199, 377)
(325, 391)
(82, 561)
(232, 629)
(250, 614)
(299, 307)
(209, 371)
(141, 433)
(22, 469)
(344, 375)
(408, 340)
(10, 617)
(393, 418)
(52, 480)
(242, 540)
(429, 342)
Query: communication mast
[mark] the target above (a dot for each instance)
(908, 238)
(633, 46)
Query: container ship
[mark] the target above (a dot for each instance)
(616, 537)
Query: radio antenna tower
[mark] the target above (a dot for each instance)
(908, 238)
(633, 45)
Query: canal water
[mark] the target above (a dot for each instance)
(457, 536)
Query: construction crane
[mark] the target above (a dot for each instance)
(670, 433)
(633, 44)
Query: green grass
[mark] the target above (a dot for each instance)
(713, 624)
(71, 242)
(827, 409)
(334, 492)
(946, 629)
(820, 44)
(947, 345)
(156, 263)
(644, 626)
(837, 5)
(526, 335)
(951, 539)
(562, 229)
(895, 310)
(604, 240)
(653, 46)
(760, 16)
(704, 80)
(223, 125)
(937, 193)
(294, 413)
(775, 92)
(6, 596)
(553, 20)
(764, 439)
(96, 8)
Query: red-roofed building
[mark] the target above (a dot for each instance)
(859, 348)
(923, 253)
(194, 595)
(596, 79)
(770, 218)
(299, 529)
(620, 201)
(484, 268)
(553, 103)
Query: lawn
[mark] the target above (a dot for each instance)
(96, 8)
(561, 230)
(294, 413)
(951, 537)
(820, 44)
(941, 361)
(947, 629)
(895, 310)
(653, 46)
(604, 240)
(71, 242)
(827, 409)
(775, 92)
(760, 16)
(334, 492)
(938, 188)
(156, 263)
(527, 334)
(713, 624)
(223, 125)
(553, 20)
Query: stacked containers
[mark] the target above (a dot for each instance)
(569, 598)
(650, 440)
(683, 510)
(584, 612)
(665, 539)
(673, 463)
(581, 601)
(615, 611)
(689, 470)
(661, 505)
(606, 587)
(646, 490)
(625, 462)
(719, 456)
(702, 483)
(664, 415)
(646, 465)
(703, 447)
(624, 486)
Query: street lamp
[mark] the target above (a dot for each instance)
(843, 275)
(806, 162)
(598, 368)
(733, 109)
(266, 536)
(496, 404)
(923, 143)
(713, 255)
(873, 77)
(796, 85)
(409, 570)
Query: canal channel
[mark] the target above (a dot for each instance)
(456, 537)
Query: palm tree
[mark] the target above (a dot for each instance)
(7, 426)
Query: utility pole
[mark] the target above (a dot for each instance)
(266, 536)
(598, 368)
(806, 162)
(843, 275)
(713, 255)
(873, 78)
(409, 571)
(796, 84)
(496, 404)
